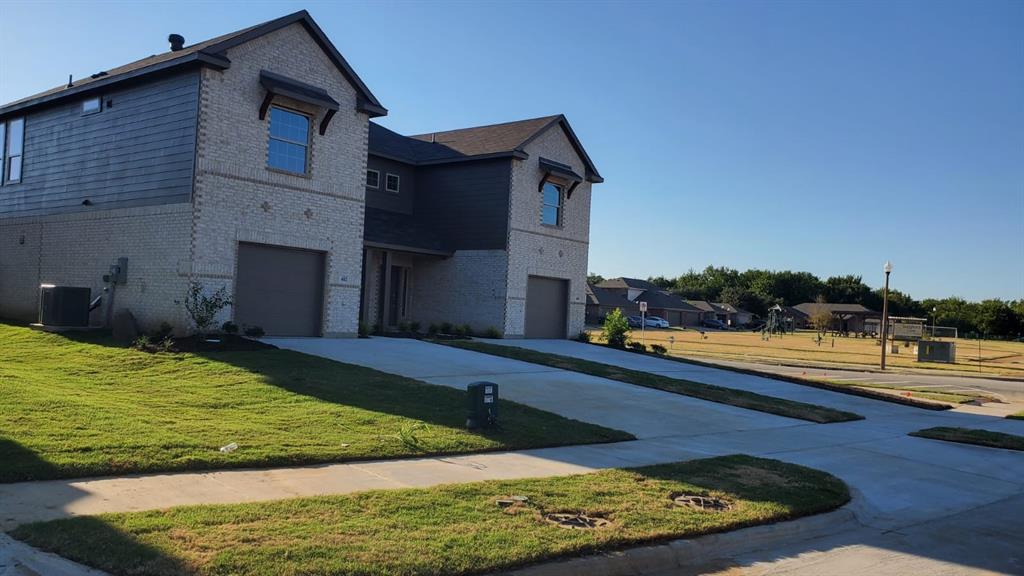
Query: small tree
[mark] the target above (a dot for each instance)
(615, 329)
(820, 317)
(203, 309)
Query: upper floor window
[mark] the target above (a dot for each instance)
(12, 141)
(372, 179)
(289, 141)
(551, 205)
(91, 106)
(391, 183)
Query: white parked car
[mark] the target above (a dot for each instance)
(656, 322)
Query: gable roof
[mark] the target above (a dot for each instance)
(507, 138)
(665, 300)
(627, 283)
(704, 306)
(789, 311)
(604, 297)
(206, 53)
(729, 308)
(809, 308)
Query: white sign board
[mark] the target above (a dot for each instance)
(643, 306)
(907, 330)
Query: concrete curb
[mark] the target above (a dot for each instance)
(19, 559)
(660, 558)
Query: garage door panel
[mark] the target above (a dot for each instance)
(547, 302)
(279, 289)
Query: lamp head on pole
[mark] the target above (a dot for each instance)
(887, 267)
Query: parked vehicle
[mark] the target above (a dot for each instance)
(656, 322)
(634, 321)
(716, 324)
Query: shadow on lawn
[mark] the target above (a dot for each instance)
(23, 463)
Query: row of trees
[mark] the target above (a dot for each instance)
(758, 290)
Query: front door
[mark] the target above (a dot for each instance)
(398, 295)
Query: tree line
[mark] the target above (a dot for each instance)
(757, 290)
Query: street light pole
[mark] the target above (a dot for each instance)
(885, 310)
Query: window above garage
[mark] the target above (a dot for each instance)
(277, 85)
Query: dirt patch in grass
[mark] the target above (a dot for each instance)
(973, 436)
(712, 393)
(453, 529)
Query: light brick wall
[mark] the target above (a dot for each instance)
(78, 249)
(538, 250)
(237, 199)
(468, 288)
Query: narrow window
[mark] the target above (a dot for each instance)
(391, 183)
(3, 150)
(289, 141)
(372, 179)
(15, 142)
(91, 106)
(551, 207)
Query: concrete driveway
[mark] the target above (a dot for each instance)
(908, 491)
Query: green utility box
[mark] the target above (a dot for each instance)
(483, 405)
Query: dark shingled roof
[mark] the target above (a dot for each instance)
(495, 140)
(384, 228)
(730, 308)
(703, 306)
(809, 308)
(665, 300)
(627, 283)
(210, 51)
(604, 297)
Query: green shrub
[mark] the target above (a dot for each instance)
(637, 346)
(583, 336)
(432, 330)
(254, 332)
(364, 330)
(446, 328)
(377, 329)
(459, 330)
(615, 329)
(659, 349)
(414, 327)
(166, 345)
(403, 327)
(465, 330)
(142, 343)
(492, 332)
(203, 308)
(229, 327)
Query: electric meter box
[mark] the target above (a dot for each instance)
(483, 405)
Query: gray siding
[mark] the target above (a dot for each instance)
(380, 198)
(138, 151)
(466, 202)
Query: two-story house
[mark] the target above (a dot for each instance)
(249, 162)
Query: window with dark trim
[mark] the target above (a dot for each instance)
(15, 145)
(288, 149)
(91, 106)
(551, 205)
(372, 179)
(391, 183)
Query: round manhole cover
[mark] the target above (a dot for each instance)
(576, 521)
(701, 502)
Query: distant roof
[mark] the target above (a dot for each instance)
(495, 140)
(788, 311)
(703, 306)
(387, 229)
(604, 297)
(661, 299)
(208, 52)
(810, 307)
(627, 283)
(730, 308)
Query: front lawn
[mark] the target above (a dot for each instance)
(452, 529)
(712, 393)
(973, 436)
(86, 406)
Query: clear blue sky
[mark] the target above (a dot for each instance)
(818, 136)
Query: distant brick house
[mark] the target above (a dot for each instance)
(249, 162)
(661, 303)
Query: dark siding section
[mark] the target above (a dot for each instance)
(380, 198)
(139, 151)
(466, 203)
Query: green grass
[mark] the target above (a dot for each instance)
(712, 393)
(85, 406)
(452, 529)
(914, 392)
(1017, 416)
(973, 436)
